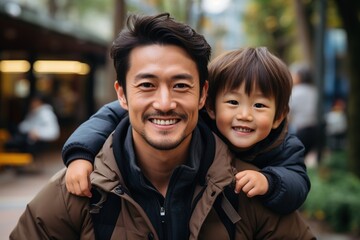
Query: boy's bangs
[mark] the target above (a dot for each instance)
(253, 75)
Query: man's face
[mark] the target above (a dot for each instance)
(162, 96)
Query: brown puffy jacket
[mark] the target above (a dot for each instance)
(56, 214)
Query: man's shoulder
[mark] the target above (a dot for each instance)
(58, 176)
(57, 211)
(61, 202)
(56, 186)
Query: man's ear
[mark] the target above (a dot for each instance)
(203, 100)
(121, 95)
(203, 94)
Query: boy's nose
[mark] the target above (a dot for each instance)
(245, 114)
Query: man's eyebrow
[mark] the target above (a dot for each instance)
(144, 76)
(183, 76)
(175, 77)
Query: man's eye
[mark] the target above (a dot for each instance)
(181, 85)
(146, 85)
(259, 105)
(232, 102)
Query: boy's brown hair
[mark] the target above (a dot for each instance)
(253, 67)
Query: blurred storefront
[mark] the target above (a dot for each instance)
(40, 54)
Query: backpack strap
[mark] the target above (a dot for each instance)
(104, 209)
(230, 207)
(226, 206)
(97, 200)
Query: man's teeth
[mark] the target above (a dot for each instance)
(164, 122)
(242, 129)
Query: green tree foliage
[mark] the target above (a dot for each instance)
(79, 7)
(271, 24)
(336, 198)
(275, 24)
(179, 9)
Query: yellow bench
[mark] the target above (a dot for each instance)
(12, 158)
(15, 159)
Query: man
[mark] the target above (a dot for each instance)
(160, 173)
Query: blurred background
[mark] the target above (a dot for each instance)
(60, 48)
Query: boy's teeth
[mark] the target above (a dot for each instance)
(243, 129)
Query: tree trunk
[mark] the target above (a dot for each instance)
(303, 27)
(118, 24)
(348, 11)
(119, 16)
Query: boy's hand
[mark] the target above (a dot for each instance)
(77, 177)
(251, 182)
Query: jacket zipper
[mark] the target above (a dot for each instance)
(163, 222)
(162, 215)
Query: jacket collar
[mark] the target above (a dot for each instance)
(204, 146)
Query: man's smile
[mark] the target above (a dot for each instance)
(164, 122)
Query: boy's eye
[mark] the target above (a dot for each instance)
(232, 102)
(259, 105)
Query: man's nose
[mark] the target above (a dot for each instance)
(164, 100)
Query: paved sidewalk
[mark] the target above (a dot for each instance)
(17, 189)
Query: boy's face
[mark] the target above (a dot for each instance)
(162, 96)
(244, 120)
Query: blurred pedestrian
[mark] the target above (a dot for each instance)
(39, 127)
(336, 125)
(303, 106)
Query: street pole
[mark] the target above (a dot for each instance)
(320, 75)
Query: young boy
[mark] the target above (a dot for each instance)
(247, 105)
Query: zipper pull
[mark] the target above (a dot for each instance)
(162, 211)
(162, 214)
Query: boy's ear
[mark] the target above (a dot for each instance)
(121, 95)
(278, 121)
(210, 112)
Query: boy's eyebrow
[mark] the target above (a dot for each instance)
(257, 92)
